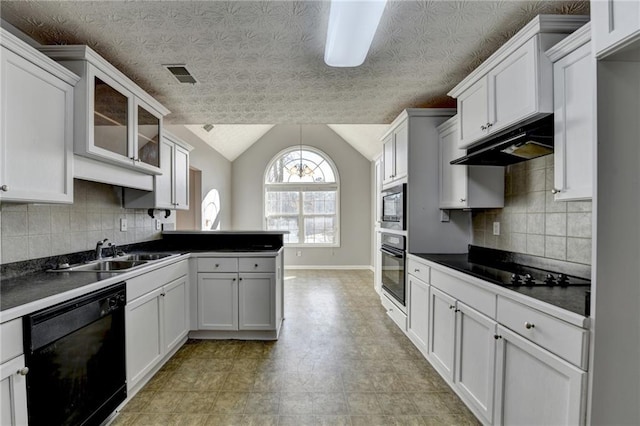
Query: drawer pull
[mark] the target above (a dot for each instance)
(497, 336)
(255, 265)
(23, 371)
(416, 270)
(452, 306)
(528, 325)
(217, 265)
(4, 188)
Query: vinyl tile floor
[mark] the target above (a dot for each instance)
(339, 361)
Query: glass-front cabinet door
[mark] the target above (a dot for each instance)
(111, 119)
(147, 150)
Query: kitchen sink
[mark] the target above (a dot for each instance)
(123, 263)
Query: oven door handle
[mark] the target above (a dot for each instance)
(390, 253)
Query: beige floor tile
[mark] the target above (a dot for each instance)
(230, 402)
(188, 419)
(139, 402)
(363, 404)
(333, 403)
(395, 403)
(164, 402)
(263, 403)
(373, 420)
(152, 419)
(197, 402)
(125, 419)
(225, 420)
(296, 403)
(306, 420)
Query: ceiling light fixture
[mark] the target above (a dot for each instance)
(352, 25)
(300, 169)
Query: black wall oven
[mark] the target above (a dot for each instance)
(393, 265)
(393, 207)
(75, 352)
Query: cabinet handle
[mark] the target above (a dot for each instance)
(240, 278)
(416, 270)
(497, 336)
(255, 265)
(233, 279)
(4, 188)
(23, 371)
(452, 306)
(457, 310)
(528, 325)
(483, 127)
(556, 191)
(489, 125)
(462, 200)
(163, 294)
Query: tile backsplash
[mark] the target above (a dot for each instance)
(532, 222)
(31, 231)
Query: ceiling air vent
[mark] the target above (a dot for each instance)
(181, 73)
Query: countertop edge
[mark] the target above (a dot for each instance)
(28, 308)
(549, 309)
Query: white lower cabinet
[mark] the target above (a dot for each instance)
(474, 359)
(13, 392)
(442, 326)
(239, 294)
(418, 318)
(217, 301)
(156, 323)
(533, 386)
(510, 363)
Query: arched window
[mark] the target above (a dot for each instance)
(302, 196)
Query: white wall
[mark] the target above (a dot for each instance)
(355, 193)
(216, 171)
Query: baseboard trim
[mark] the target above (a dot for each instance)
(329, 267)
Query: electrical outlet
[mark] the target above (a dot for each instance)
(158, 224)
(496, 228)
(299, 253)
(123, 224)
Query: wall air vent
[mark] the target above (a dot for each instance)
(181, 73)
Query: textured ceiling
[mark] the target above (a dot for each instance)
(262, 62)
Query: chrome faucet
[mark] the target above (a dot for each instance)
(99, 248)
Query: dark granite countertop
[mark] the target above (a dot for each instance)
(571, 298)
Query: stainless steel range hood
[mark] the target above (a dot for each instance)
(519, 144)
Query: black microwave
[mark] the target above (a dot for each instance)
(394, 203)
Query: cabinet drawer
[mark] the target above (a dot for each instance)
(563, 339)
(150, 281)
(10, 339)
(399, 317)
(468, 293)
(257, 264)
(217, 264)
(418, 270)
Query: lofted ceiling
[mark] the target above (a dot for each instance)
(261, 62)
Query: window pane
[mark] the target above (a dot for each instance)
(285, 223)
(282, 202)
(319, 230)
(295, 166)
(319, 202)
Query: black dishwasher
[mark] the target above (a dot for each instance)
(75, 352)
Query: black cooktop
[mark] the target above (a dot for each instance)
(559, 283)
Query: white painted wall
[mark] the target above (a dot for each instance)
(216, 171)
(355, 193)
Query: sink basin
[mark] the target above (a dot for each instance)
(145, 256)
(120, 264)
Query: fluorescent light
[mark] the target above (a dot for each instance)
(352, 25)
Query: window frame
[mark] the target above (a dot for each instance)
(301, 188)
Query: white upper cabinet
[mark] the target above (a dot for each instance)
(171, 188)
(574, 116)
(514, 84)
(616, 24)
(395, 151)
(115, 120)
(463, 187)
(36, 125)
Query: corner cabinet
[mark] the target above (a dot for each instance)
(574, 87)
(616, 24)
(395, 151)
(171, 188)
(36, 125)
(239, 297)
(115, 120)
(514, 84)
(464, 187)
